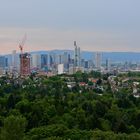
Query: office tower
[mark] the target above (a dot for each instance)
(25, 64)
(69, 59)
(53, 62)
(98, 60)
(107, 64)
(60, 68)
(6, 62)
(91, 64)
(14, 58)
(53, 59)
(66, 60)
(86, 65)
(35, 61)
(72, 61)
(60, 59)
(44, 60)
(2, 62)
(71, 68)
(77, 54)
(83, 63)
(79, 57)
(14, 61)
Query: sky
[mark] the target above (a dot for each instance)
(96, 25)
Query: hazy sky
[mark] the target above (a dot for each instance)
(97, 25)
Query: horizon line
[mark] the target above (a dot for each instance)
(71, 50)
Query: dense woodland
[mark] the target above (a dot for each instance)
(41, 108)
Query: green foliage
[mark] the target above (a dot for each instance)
(13, 129)
(44, 108)
(133, 74)
(95, 74)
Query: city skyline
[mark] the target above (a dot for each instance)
(96, 25)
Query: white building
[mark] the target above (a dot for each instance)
(71, 69)
(15, 61)
(60, 68)
(98, 59)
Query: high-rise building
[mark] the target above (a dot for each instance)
(14, 61)
(2, 62)
(71, 69)
(35, 61)
(60, 68)
(69, 59)
(98, 60)
(108, 64)
(77, 54)
(66, 60)
(6, 62)
(83, 63)
(65, 57)
(53, 59)
(53, 62)
(44, 60)
(25, 64)
(86, 65)
(60, 58)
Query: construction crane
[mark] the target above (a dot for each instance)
(21, 45)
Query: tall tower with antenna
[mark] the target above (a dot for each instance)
(77, 55)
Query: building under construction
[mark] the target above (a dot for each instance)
(24, 64)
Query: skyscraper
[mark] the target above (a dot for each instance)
(108, 64)
(60, 58)
(14, 61)
(2, 62)
(98, 60)
(66, 61)
(77, 56)
(44, 60)
(53, 59)
(35, 61)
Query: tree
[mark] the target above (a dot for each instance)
(80, 118)
(14, 127)
(95, 74)
(11, 102)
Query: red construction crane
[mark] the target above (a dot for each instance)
(22, 43)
